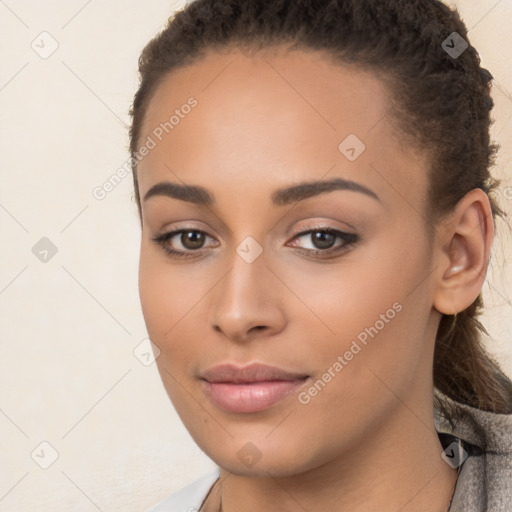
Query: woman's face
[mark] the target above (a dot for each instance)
(347, 313)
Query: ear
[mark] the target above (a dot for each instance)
(465, 245)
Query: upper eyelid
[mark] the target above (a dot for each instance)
(300, 231)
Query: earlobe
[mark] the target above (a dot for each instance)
(464, 254)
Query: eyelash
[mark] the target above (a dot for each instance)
(349, 240)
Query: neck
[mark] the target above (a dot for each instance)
(398, 468)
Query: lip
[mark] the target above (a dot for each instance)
(250, 388)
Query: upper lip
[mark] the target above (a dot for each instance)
(254, 372)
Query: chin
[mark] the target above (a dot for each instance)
(283, 457)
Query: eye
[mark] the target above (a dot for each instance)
(191, 239)
(323, 240)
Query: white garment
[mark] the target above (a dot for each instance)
(190, 498)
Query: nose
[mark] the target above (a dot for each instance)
(247, 301)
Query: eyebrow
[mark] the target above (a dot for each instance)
(283, 196)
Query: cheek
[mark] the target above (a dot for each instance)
(361, 372)
(171, 299)
(165, 290)
(156, 301)
(373, 313)
(163, 300)
(342, 300)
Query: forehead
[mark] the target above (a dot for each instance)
(272, 118)
(275, 84)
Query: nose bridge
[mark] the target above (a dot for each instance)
(244, 298)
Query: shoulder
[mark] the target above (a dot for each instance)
(485, 475)
(190, 498)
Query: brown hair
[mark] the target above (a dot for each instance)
(441, 105)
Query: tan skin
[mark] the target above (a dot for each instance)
(367, 441)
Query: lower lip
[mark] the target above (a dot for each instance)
(250, 397)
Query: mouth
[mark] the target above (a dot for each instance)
(252, 388)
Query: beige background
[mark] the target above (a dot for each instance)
(69, 326)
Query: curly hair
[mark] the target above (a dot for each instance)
(441, 105)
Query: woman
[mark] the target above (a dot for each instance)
(317, 216)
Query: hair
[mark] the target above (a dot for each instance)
(441, 105)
